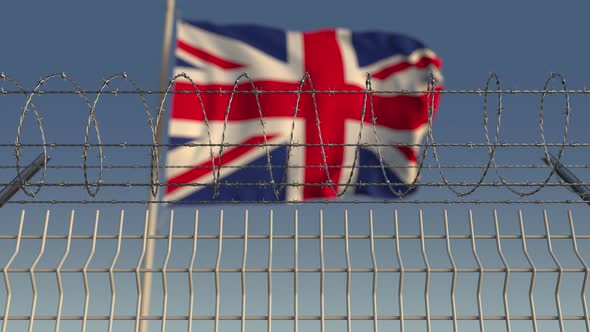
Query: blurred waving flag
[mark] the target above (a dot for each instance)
(260, 145)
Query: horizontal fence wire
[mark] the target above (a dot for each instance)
(486, 172)
(371, 273)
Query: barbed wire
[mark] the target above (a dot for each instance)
(304, 202)
(298, 145)
(479, 92)
(492, 141)
(426, 166)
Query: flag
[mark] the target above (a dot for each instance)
(266, 141)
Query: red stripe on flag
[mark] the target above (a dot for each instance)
(403, 112)
(422, 63)
(219, 62)
(324, 62)
(228, 156)
(408, 152)
(186, 104)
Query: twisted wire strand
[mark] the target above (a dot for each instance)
(412, 184)
(330, 183)
(426, 166)
(17, 142)
(291, 138)
(225, 120)
(197, 92)
(491, 150)
(470, 145)
(92, 121)
(479, 92)
(92, 118)
(309, 184)
(306, 87)
(542, 127)
(319, 201)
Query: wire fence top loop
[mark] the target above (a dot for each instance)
(466, 175)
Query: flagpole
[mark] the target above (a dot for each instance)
(153, 207)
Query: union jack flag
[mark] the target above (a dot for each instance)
(259, 144)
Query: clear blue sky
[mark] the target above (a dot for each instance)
(521, 41)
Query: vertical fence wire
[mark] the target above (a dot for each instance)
(32, 272)
(85, 272)
(60, 300)
(454, 273)
(217, 267)
(559, 273)
(400, 288)
(296, 271)
(322, 275)
(348, 273)
(375, 270)
(165, 272)
(191, 267)
(480, 272)
(506, 274)
(243, 273)
(112, 274)
(427, 279)
(7, 267)
(137, 269)
(533, 273)
(586, 269)
(269, 274)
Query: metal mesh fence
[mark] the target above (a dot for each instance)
(490, 241)
(287, 270)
